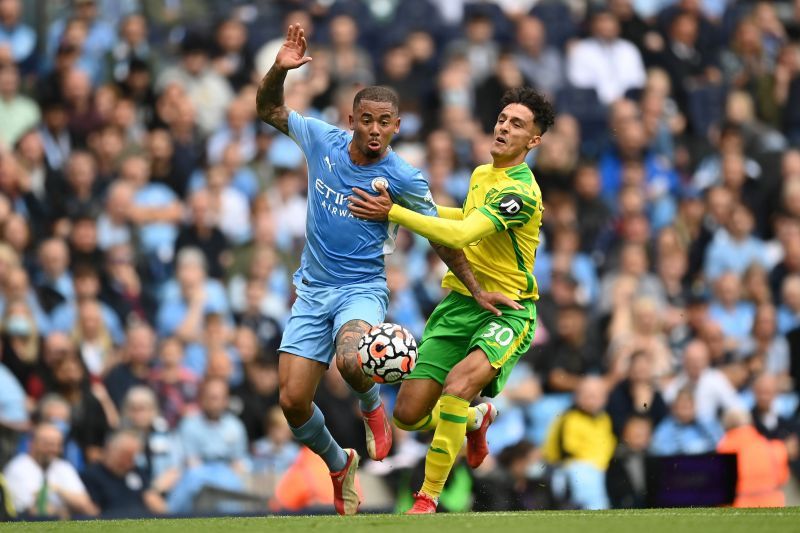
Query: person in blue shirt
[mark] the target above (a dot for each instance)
(341, 282)
(683, 432)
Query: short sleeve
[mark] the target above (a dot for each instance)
(416, 196)
(307, 131)
(510, 208)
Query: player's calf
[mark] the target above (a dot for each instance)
(376, 425)
(347, 355)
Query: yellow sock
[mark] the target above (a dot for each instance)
(473, 422)
(447, 441)
(426, 424)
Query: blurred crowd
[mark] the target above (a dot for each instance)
(149, 227)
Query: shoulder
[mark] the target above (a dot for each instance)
(19, 464)
(402, 169)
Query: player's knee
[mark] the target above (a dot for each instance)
(406, 415)
(461, 385)
(296, 408)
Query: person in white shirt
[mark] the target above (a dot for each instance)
(713, 392)
(43, 484)
(604, 62)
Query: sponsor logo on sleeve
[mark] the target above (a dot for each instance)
(510, 205)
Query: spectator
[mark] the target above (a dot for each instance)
(231, 55)
(238, 129)
(118, 487)
(571, 353)
(734, 247)
(215, 446)
(789, 311)
(538, 62)
(765, 350)
(132, 46)
(18, 112)
(19, 37)
(134, 366)
(44, 485)
(174, 384)
(21, 343)
(767, 418)
(582, 440)
(762, 464)
(626, 478)
(160, 456)
(204, 234)
(734, 315)
(86, 281)
(156, 212)
(276, 451)
(683, 431)
(189, 298)
(209, 92)
(262, 309)
(82, 192)
(350, 64)
(98, 39)
(93, 339)
(687, 64)
(228, 206)
(257, 394)
(478, 46)
(636, 395)
(53, 409)
(13, 414)
(90, 414)
(713, 392)
(605, 62)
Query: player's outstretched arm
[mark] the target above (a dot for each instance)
(449, 232)
(269, 98)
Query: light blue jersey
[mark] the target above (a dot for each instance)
(341, 249)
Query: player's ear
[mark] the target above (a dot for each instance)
(397, 126)
(534, 141)
(352, 121)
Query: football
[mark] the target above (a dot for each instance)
(387, 353)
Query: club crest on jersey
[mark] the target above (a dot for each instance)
(510, 205)
(380, 180)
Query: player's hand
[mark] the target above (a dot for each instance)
(488, 300)
(368, 207)
(292, 53)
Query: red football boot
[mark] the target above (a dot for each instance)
(379, 433)
(477, 447)
(345, 495)
(423, 504)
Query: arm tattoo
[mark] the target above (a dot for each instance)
(347, 354)
(457, 262)
(269, 100)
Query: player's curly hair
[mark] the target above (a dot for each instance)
(543, 113)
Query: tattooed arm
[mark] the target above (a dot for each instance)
(269, 98)
(457, 262)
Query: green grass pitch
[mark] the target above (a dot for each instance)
(644, 521)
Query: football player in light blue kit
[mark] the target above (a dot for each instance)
(341, 283)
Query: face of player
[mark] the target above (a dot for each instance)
(373, 124)
(515, 134)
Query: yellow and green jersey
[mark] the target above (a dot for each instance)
(503, 261)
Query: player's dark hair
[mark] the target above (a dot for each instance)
(543, 114)
(377, 93)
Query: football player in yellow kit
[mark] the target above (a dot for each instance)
(466, 350)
